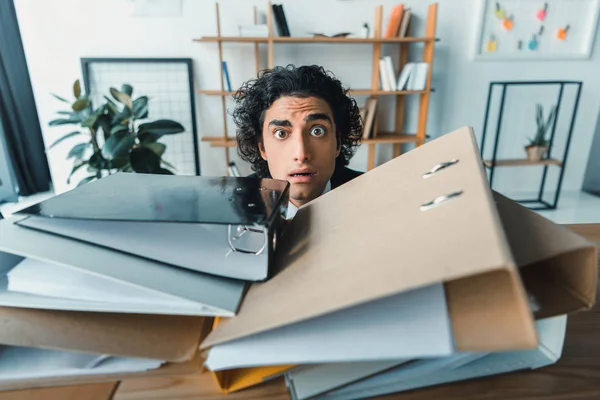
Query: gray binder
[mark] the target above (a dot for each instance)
(171, 290)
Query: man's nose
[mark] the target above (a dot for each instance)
(302, 150)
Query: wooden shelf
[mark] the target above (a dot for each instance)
(219, 141)
(522, 162)
(355, 92)
(426, 39)
(391, 137)
(310, 39)
(215, 92)
(382, 137)
(232, 39)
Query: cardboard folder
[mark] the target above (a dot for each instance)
(427, 216)
(173, 339)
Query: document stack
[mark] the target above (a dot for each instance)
(124, 276)
(413, 274)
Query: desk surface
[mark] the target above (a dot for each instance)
(576, 376)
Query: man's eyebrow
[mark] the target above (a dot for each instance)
(280, 122)
(318, 116)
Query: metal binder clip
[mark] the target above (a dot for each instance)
(439, 167)
(439, 200)
(240, 230)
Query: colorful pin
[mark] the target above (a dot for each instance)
(533, 43)
(508, 23)
(541, 14)
(561, 34)
(492, 44)
(499, 12)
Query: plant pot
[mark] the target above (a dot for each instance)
(536, 153)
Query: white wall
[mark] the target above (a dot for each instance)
(57, 34)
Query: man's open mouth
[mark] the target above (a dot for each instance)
(304, 174)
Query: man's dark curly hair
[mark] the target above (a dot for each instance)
(255, 96)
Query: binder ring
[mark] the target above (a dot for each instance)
(439, 167)
(241, 229)
(439, 200)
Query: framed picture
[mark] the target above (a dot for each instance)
(535, 30)
(168, 82)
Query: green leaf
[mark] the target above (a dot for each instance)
(91, 121)
(75, 168)
(144, 160)
(119, 162)
(162, 127)
(140, 107)
(80, 104)
(69, 113)
(111, 106)
(61, 98)
(86, 180)
(64, 121)
(103, 121)
(123, 116)
(121, 97)
(147, 137)
(77, 89)
(157, 148)
(127, 89)
(118, 145)
(97, 162)
(78, 150)
(118, 128)
(68, 135)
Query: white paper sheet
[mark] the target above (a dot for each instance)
(27, 363)
(414, 324)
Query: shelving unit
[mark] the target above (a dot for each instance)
(395, 138)
(491, 164)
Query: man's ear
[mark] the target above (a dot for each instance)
(339, 146)
(263, 153)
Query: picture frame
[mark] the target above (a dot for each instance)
(169, 84)
(521, 30)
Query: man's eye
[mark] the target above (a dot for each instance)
(317, 131)
(280, 134)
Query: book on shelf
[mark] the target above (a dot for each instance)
(413, 76)
(370, 111)
(226, 75)
(394, 22)
(280, 20)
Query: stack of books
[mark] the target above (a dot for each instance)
(414, 274)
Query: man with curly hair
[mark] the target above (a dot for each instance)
(298, 124)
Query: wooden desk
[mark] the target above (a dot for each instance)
(576, 376)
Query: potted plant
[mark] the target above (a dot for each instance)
(538, 146)
(116, 141)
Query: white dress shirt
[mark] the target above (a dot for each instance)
(292, 209)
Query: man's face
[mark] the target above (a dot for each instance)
(300, 145)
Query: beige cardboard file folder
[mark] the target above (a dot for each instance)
(162, 337)
(427, 216)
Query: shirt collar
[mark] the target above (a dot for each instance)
(292, 209)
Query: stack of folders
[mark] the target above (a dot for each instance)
(416, 273)
(413, 274)
(124, 276)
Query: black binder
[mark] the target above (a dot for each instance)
(225, 226)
